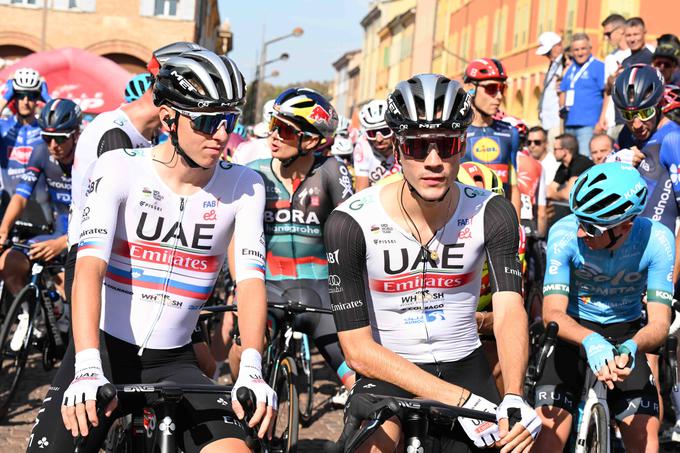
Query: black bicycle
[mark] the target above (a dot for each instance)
(151, 429)
(31, 320)
(418, 417)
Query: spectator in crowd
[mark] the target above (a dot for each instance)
(550, 46)
(572, 164)
(601, 146)
(665, 59)
(537, 144)
(634, 32)
(612, 29)
(582, 92)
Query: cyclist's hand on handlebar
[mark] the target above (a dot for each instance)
(527, 424)
(250, 375)
(46, 250)
(482, 433)
(80, 398)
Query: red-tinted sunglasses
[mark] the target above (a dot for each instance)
(384, 132)
(492, 89)
(419, 147)
(285, 130)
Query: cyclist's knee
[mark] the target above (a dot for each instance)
(640, 433)
(222, 445)
(556, 428)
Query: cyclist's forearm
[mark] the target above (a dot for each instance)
(16, 206)
(542, 221)
(511, 328)
(362, 183)
(515, 199)
(252, 313)
(569, 329)
(86, 304)
(653, 335)
(370, 359)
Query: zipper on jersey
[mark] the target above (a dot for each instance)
(168, 274)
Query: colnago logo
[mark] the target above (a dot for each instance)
(417, 281)
(154, 254)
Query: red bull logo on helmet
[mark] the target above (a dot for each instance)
(318, 114)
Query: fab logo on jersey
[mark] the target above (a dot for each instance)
(486, 149)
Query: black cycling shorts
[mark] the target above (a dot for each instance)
(561, 383)
(200, 419)
(472, 373)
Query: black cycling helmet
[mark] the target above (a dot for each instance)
(309, 110)
(428, 102)
(60, 115)
(667, 51)
(638, 87)
(163, 54)
(200, 81)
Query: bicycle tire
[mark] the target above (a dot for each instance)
(118, 439)
(285, 437)
(598, 430)
(12, 363)
(305, 384)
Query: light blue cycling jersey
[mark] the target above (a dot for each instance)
(606, 286)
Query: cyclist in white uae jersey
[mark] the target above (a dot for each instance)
(150, 249)
(373, 152)
(405, 263)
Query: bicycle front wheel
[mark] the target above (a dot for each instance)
(15, 341)
(598, 430)
(287, 421)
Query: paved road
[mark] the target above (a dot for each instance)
(15, 429)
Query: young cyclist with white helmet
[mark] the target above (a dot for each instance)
(374, 151)
(406, 272)
(602, 259)
(20, 135)
(151, 246)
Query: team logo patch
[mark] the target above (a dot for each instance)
(486, 149)
(20, 154)
(674, 171)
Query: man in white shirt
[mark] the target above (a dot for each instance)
(550, 45)
(612, 30)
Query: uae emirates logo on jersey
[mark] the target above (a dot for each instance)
(402, 283)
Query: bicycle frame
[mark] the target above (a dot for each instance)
(595, 393)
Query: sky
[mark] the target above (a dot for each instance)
(331, 28)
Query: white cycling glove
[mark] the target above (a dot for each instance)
(89, 376)
(250, 376)
(482, 433)
(529, 418)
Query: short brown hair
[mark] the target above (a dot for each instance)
(569, 142)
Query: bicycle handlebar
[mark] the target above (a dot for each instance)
(291, 306)
(547, 345)
(672, 354)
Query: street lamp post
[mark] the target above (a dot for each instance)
(297, 31)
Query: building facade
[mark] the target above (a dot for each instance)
(125, 31)
(345, 84)
(403, 37)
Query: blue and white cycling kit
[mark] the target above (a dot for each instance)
(605, 286)
(58, 178)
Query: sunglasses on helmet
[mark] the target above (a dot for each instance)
(384, 132)
(645, 114)
(60, 138)
(31, 95)
(209, 123)
(418, 147)
(492, 89)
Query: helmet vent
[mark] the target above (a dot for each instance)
(598, 178)
(602, 204)
(620, 210)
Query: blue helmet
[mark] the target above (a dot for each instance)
(608, 194)
(137, 86)
(60, 115)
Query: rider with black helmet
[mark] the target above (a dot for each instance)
(407, 257)
(154, 233)
(652, 139)
(59, 123)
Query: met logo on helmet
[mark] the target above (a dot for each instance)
(184, 83)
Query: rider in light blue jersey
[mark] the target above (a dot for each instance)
(602, 260)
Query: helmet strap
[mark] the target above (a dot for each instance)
(474, 103)
(613, 239)
(178, 149)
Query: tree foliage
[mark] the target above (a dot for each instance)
(270, 91)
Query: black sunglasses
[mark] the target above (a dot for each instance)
(419, 147)
(31, 95)
(535, 142)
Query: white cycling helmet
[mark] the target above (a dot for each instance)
(268, 111)
(342, 146)
(261, 130)
(26, 79)
(372, 115)
(343, 126)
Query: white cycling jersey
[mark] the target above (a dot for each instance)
(251, 151)
(371, 164)
(109, 130)
(164, 251)
(419, 301)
